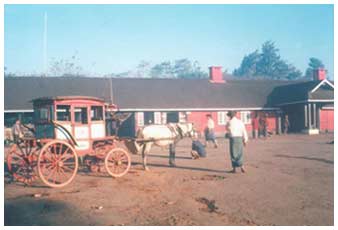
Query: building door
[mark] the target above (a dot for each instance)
(326, 120)
(148, 118)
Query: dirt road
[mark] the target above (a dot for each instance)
(289, 182)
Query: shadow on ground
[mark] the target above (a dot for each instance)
(306, 158)
(19, 212)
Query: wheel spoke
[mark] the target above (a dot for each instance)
(68, 168)
(63, 172)
(51, 173)
(68, 163)
(60, 151)
(66, 157)
(55, 174)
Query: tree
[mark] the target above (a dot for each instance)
(162, 70)
(143, 69)
(248, 65)
(66, 67)
(314, 63)
(181, 68)
(269, 61)
(267, 64)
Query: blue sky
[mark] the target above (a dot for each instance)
(115, 38)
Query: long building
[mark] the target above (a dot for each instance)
(309, 104)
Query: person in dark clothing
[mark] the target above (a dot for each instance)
(255, 127)
(198, 150)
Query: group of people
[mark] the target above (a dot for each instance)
(238, 137)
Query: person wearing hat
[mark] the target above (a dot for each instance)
(17, 131)
(238, 138)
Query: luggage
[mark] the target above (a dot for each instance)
(199, 148)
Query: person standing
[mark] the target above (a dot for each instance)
(263, 125)
(17, 131)
(255, 126)
(238, 138)
(209, 132)
(286, 124)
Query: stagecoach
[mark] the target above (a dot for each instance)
(68, 129)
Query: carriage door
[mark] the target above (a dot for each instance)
(81, 127)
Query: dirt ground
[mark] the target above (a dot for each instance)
(289, 182)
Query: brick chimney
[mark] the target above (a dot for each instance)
(319, 74)
(215, 74)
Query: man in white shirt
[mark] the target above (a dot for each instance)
(238, 137)
(209, 131)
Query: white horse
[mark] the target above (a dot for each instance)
(162, 135)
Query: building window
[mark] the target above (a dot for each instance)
(164, 117)
(222, 117)
(246, 117)
(157, 118)
(182, 117)
(140, 119)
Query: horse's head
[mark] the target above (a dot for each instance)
(187, 129)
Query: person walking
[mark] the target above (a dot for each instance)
(209, 132)
(17, 131)
(286, 124)
(238, 138)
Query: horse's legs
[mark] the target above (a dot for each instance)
(172, 153)
(145, 151)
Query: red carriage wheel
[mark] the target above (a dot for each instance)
(22, 162)
(57, 164)
(117, 162)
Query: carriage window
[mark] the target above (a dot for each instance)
(41, 114)
(63, 113)
(96, 113)
(81, 115)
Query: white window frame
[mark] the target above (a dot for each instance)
(182, 117)
(164, 117)
(246, 117)
(140, 119)
(157, 118)
(222, 118)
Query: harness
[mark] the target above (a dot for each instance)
(177, 131)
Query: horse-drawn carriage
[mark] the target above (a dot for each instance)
(67, 128)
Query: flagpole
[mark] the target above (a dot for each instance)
(45, 45)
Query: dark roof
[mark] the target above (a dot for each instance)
(133, 93)
(20, 91)
(300, 92)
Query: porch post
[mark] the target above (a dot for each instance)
(314, 116)
(305, 116)
(309, 110)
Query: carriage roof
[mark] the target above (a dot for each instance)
(61, 98)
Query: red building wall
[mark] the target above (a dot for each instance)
(326, 120)
(199, 118)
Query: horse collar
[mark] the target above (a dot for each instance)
(180, 131)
